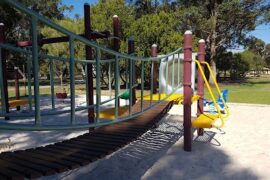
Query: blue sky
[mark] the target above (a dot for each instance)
(261, 32)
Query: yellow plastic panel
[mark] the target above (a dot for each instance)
(155, 97)
(17, 102)
(204, 121)
(109, 113)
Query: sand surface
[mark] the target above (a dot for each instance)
(240, 151)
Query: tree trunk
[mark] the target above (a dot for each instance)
(213, 43)
(214, 70)
(61, 82)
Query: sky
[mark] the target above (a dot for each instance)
(261, 32)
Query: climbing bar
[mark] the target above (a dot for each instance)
(173, 73)
(116, 87)
(51, 66)
(210, 90)
(98, 90)
(152, 83)
(167, 73)
(3, 102)
(178, 68)
(130, 83)
(218, 89)
(29, 82)
(110, 79)
(72, 80)
(35, 63)
(142, 84)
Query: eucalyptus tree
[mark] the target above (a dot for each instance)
(222, 23)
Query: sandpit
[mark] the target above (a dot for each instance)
(239, 151)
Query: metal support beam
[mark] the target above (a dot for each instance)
(35, 63)
(131, 50)
(17, 86)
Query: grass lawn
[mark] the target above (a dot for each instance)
(254, 90)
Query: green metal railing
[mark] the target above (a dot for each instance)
(34, 57)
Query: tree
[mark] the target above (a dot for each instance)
(17, 24)
(224, 62)
(223, 23)
(267, 55)
(262, 52)
(239, 67)
(157, 29)
(254, 60)
(61, 49)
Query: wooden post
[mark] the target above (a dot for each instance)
(131, 49)
(154, 68)
(116, 40)
(17, 86)
(116, 31)
(187, 90)
(4, 68)
(88, 55)
(200, 83)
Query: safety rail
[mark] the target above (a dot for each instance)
(35, 56)
(221, 116)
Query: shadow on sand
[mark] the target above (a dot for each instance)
(159, 154)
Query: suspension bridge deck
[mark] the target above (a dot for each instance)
(79, 151)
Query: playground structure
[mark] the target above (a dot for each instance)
(156, 101)
(13, 74)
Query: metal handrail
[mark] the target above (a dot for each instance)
(211, 93)
(32, 53)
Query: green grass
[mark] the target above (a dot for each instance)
(254, 91)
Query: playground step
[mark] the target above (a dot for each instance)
(80, 151)
(204, 121)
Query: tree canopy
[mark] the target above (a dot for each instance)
(222, 23)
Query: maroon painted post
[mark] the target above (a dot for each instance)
(17, 86)
(154, 53)
(187, 90)
(4, 67)
(200, 83)
(131, 49)
(116, 32)
(88, 55)
(116, 40)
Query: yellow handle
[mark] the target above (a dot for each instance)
(211, 93)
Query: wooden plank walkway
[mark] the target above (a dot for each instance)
(79, 151)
